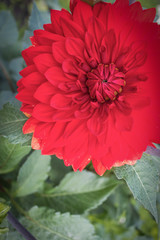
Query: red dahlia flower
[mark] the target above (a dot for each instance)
(91, 86)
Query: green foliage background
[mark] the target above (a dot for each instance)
(50, 200)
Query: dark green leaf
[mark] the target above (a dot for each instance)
(79, 192)
(58, 170)
(32, 175)
(12, 235)
(11, 155)
(3, 211)
(142, 179)
(11, 123)
(48, 225)
(156, 161)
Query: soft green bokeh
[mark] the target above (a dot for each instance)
(149, 3)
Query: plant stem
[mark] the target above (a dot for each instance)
(16, 224)
(7, 76)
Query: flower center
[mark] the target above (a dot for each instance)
(105, 82)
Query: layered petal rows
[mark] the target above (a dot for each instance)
(91, 85)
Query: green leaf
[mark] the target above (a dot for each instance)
(149, 4)
(156, 161)
(3, 230)
(46, 224)
(11, 123)
(58, 170)
(142, 179)
(32, 175)
(79, 192)
(8, 29)
(12, 235)
(11, 155)
(3, 211)
(36, 21)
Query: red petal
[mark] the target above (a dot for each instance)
(72, 126)
(96, 125)
(55, 18)
(29, 125)
(33, 79)
(27, 70)
(27, 108)
(65, 116)
(77, 144)
(36, 143)
(43, 37)
(59, 51)
(59, 101)
(91, 46)
(31, 52)
(98, 166)
(82, 114)
(73, 3)
(82, 13)
(45, 92)
(54, 139)
(75, 47)
(81, 162)
(43, 130)
(136, 12)
(43, 112)
(44, 61)
(49, 27)
(26, 96)
(101, 10)
(107, 46)
(69, 66)
(123, 123)
(56, 76)
(121, 3)
(97, 29)
(148, 15)
(71, 29)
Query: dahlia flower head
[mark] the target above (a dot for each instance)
(91, 86)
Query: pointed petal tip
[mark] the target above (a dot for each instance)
(98, 166)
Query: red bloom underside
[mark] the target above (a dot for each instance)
(91, 87)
